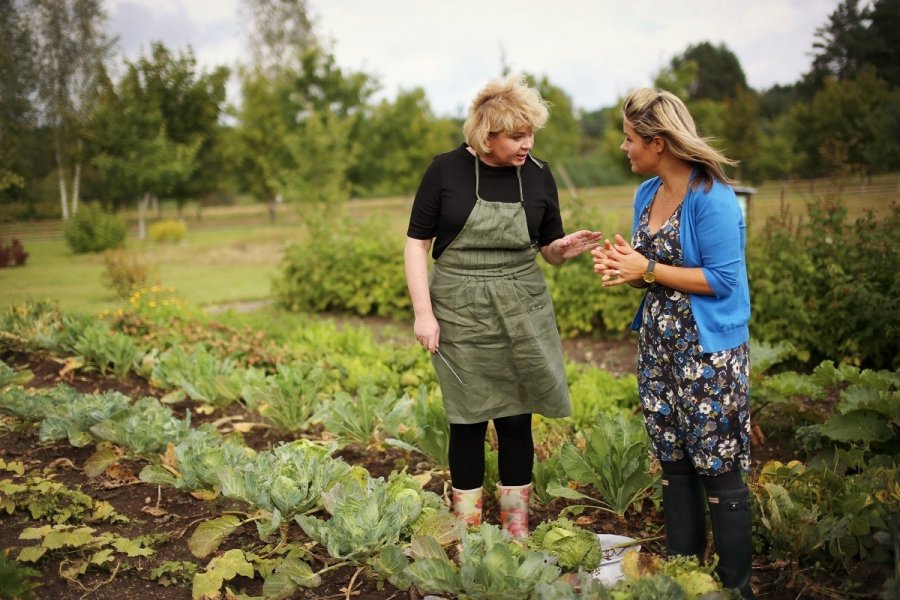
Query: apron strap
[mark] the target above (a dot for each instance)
(478, 181)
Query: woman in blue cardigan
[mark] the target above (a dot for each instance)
(687, 251)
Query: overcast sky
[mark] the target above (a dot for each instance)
(595, 50)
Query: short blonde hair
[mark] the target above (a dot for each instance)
(653, 113)
(503, 106)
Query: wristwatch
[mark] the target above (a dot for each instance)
(649, 275)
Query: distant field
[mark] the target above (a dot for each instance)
(231, 253)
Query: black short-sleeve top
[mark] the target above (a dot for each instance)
(446, 197)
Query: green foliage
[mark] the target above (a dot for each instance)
(823, 285)
(420, 424)
(123, 273)
(574, 547)
(582, 306)
(17, 582)
(146, 428)
(109, 350)
(173, 572)
(355, 269)
(289, 398)
(202, 375)
(593, 390)
(867, 416)
(168, 231)
(92, 229)
(31, 327)
(360, 419)
(491, 566)
(10, 376)
(364, 519)
(46, 499)
(615, 462)
(815, 514)
(719, 72)
(407, 137)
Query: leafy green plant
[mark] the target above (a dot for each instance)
(146, 428)
(490, 566)
(92, 229)
(44, 498)
(360, 419)
(426, 432)
(814, 514)
(10, 376)
(364, 518)
(201, 374)
(30, 327)
(110, 351)
(289, 398)
(615, 462)
(574, 547)
(173, 572)
(16, 581)
(81, 546)
(593, 390)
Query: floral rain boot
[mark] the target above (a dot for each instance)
(467, 505)
(514, 508)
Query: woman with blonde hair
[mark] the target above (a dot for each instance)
(485, 210)
(687, 251)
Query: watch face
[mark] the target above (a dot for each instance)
(649, 276)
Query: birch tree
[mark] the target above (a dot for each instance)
(72, 49)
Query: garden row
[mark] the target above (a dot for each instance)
(833, 511)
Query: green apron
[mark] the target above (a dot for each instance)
(500, 353)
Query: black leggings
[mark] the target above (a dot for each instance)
(515, 452)
(725, 482)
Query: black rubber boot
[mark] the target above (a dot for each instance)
(732, 527)
(684, 512)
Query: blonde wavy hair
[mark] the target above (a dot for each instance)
(504, 105)
(653, 113)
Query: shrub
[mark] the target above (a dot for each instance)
(12, 255)
(92, 229)
(829, 286)
(345, 267)
(169, 230)
(123, 273)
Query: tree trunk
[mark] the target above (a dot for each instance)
(63, 200)
(76, 186)
(142, 210)
(76, 180)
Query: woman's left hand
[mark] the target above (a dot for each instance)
(617, 262)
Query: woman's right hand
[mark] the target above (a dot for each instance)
(428, 332)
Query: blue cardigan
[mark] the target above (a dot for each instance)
(713, 238)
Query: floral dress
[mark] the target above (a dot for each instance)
(695, 404)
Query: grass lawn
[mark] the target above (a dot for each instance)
(233, 252)
(208, 267)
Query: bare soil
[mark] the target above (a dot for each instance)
(173, 515)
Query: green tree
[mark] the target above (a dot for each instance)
(190, 104)
(279, 108)
(135, 149)
(399, 138)
(849, 127)
(719, 73)
(17, 90)
(740, 134)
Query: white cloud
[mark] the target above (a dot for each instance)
(593, 49)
